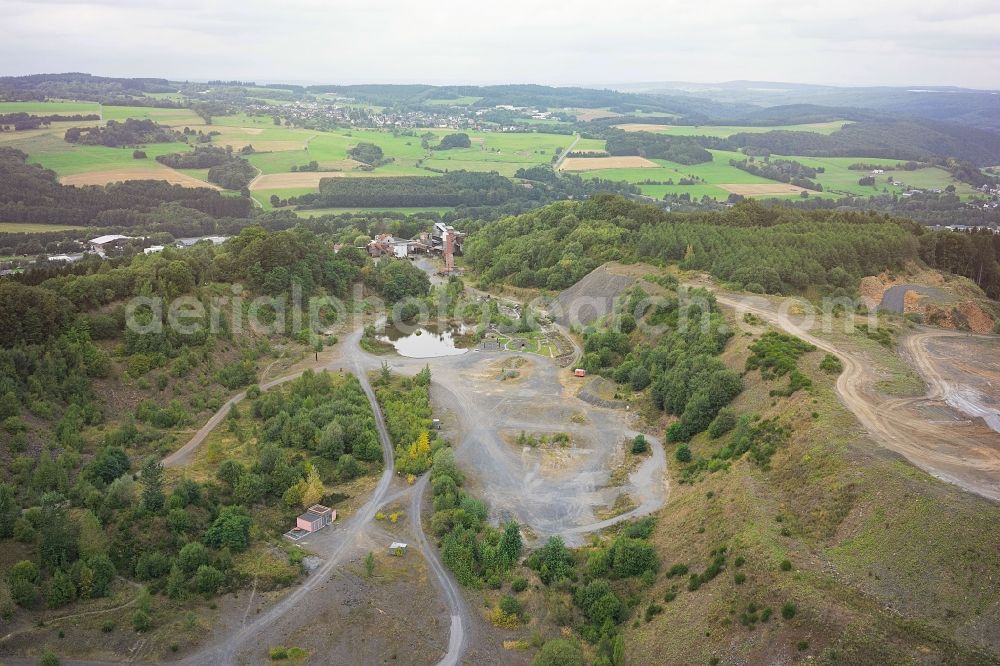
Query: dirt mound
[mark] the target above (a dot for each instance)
(601, 392)
(871, 289)
(591, 298)
(911, 301)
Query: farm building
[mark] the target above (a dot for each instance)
(102, 244)
(580, 372)
(400, 248)
(398, 549)
(315, 518)
(188, 242)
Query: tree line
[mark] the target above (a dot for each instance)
(31, 194)
(131, 132)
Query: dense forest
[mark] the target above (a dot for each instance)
(23, 121)
(785, 171)
(29, 193)
(202, 157)
(117, 134)
(457, 140)
(456, 188)
(77, 85)
(974, 254)
(774, 250)
(74, 452)
(920, 140)
(683, 150)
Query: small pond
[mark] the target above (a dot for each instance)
(427, 341)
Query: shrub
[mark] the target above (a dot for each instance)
(141, 621)
(48, 659)
(192, 556)
(519, 584)
(207, 579)
(831, 364)
(500, 618)
(739, 579)
(723, 422)
(61, 590)
(788, 610)
(278, 653)
(559, 652)
(786, 565)
(512, 606)
(652, 610)
(230, 530)
(802, 646)
(108, 626)
(677, 570)
(639, 444)
(683, 453)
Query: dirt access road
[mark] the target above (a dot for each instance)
(965, 453)
(962, 370)
(335, 545)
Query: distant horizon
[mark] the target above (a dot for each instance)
(623, 86)
(852, 43)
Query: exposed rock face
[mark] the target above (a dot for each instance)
(963, 315)
(977, 320)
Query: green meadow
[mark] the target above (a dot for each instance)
(837, 179)
(714, 173)
(457, 101)
(374, 211)
(723, 131)
(74, 159)
(279, 148)
(29, 228)
(50, 108)
(171, 117)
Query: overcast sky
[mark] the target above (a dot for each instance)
(931, 42)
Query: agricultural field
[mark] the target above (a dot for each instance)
(50, 108)
(837, 177)
(714, 174)
(718, 179)
(456, 101)
(170, 117)
(723, 131)
(585, 115)
(68, 159)
(279, 148)
(607, 163)
(405, 211)
(29, 228)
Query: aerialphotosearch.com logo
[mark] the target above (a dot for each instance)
(237, 312)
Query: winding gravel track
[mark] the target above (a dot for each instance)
(950, 453)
